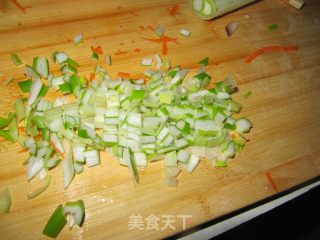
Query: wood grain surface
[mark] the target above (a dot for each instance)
(284, 108)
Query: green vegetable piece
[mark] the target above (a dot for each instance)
(5, 121)
(95, 56)
(20, 110)
(15, 59)
(204, 62)
(31, 72)
(65, 88)
(25, 85)
(247, 94)
(44, 90)
(133, 167)
(221, 164)
(230, 126)
(138, 94)
(56, 223)
(72, 63)
(5, 201)
(41, 66)
(273, 27)
(6, 134)
(83, 133)
(76, 210)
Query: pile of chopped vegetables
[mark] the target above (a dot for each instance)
(170, 115)
(173, 117)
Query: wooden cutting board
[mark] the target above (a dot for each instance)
(284, 108)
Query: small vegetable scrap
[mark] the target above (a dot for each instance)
(185, 32)
(273, 27)
(270, 49)
(96, 51)
(77, 39)
(231, 28)
(167, 118)
(204, 62)
(15, 59)
(75, 211)
(270, 180)
(108, 59)
(247, 94)
(5, 201)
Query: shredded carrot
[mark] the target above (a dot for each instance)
(269, 178)
(37, 137)
(23, 150)
(124, 74)
(19, 6)
(174, 10)
(119, 52)
(254, 55)
(92, 76)
(56, 149)
(22, 129)
(164, 48)
(164, 39)
(137, 76)
(97, 50)
(270, 49)
(137, 50)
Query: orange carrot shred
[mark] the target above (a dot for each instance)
(92, 76)
(254, 55)
(269, 178)
(270, 49)
(124, 74)
(164, 39)
(56, 149)
(99, 50)
(23, 150)
(164, 48)
(174, 10)
(137, 76)
(22, 129)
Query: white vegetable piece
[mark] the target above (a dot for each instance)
(92, 157)
(191, 164)
(185, 32)
(243, 125)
